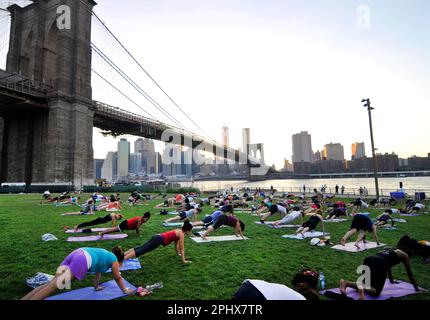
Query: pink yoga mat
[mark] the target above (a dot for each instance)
(97, 238)
(94, 230)
(391, 290)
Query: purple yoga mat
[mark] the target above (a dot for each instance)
(97, 238)
(391, 290)
(94, 230)
(112, 291)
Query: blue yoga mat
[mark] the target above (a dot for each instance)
(112, 291)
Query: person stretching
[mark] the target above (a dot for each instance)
(185, 215)
(295, 214)
(77, 265)
(361, 223)
(312, 223)
(230, 221)
(111, 217)
(274, 208)
(380, 268)
(87, 210)
(130, 224)
(164, 239)
(337, 212)
(212, 218)
(382, 219)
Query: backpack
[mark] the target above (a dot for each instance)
(308, 276)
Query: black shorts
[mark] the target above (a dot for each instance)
(183, 215)
(378, 272)
(123, 226)
(361, 223)
(207, 220)
(219, 222)
(312, 225)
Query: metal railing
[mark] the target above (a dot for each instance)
(23, 85)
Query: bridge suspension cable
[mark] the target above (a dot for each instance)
(142, 68)
(133, 84)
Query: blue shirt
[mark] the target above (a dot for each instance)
(101, 259)
(215, 215)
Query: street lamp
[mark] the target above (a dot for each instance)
(375, 164)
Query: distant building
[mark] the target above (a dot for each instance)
(98, 164)
(385, 163)
(317, 156)
(333, 151)
(288, 167)
(328, 166)
(135, 163)
(357, 150)
(302, 147)
(109, 168)
(419, 163)
(225, 136)
(123, 158)
(246, 140)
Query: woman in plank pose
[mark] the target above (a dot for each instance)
(380, 268)
(76, 266)
(177, 236)
(111, 217)
(129, 224)
(230, 221)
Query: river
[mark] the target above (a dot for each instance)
(386, 185)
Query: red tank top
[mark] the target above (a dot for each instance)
(132, 223)
(169, 237)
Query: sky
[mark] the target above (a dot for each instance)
(276, 66)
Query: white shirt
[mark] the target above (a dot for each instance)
(46, 193)
(394, 211)
(294, 215)
(275, 291)
(364, 204)
(419, 205)
(282, 209)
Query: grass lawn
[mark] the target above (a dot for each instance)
(218, 269)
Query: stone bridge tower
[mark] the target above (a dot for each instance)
(53, 145)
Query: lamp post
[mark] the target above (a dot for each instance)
(375, 163)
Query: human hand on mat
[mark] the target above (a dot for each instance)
(128, 291)
(100, 288)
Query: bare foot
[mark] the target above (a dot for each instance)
(343, 241)
(342, 287)
(361, 294)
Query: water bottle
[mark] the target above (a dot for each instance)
(154, 286)
(322, 281)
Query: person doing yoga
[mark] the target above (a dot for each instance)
(77, 265)
(88, 209)
(361, 223)
(111, 217)
(164, 239)
(230, 221)
(380, 268)
(295, 214)
(129, 224)
(274, 208)
(190, 214)
(382, 219)
(312, 223)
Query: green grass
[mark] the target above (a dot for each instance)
(218, 269)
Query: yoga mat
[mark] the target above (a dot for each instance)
(388, 228)
(178, 224)
(130, 264)
(94, 230)
(314, 234)
(217, 238)
(364, 213)
(391, 290)
(410, 214)
(271, 225)
(336, 220)
(97, 238)
(112, 291)
(400, 220)
(350, 247)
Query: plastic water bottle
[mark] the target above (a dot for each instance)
(322, 281)
(154, 286)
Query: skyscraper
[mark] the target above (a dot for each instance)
(302, 147)
(98, 164)
(246, 139)
(358, 150)
(334, 151)
(123, 158)
(147, 149)
(225, 137)
(109, 168)
(135, 163)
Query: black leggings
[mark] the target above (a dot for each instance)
(95, 222)
(152, 244)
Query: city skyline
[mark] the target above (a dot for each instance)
(274, 59)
